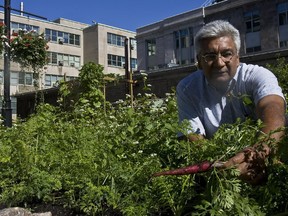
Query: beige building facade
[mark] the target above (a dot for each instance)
(71, 44)
(105, 45)
(263, 25)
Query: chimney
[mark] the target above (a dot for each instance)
(21, 8)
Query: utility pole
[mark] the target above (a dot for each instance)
(6, 105)
(126, 64)
(129, 82)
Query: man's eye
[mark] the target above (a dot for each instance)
(227, 54)
(210, 56)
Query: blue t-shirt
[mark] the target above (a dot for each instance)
(206, 109)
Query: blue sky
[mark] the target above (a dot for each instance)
(126, 14)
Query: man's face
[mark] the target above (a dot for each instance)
(219, 60)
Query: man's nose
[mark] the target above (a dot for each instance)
(219, 61)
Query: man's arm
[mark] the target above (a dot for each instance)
(251, 161)
(271, 110)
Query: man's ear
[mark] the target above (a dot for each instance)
(199, 66)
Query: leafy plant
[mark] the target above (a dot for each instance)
(28, 48)
(101, 163)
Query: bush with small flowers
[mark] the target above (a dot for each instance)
(29, 49)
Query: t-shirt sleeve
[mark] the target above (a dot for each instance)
(264, 83)
(188, 111)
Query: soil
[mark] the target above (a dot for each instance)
(54, 209)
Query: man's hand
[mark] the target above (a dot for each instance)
(251, 164)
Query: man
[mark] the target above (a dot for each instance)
(212, 95)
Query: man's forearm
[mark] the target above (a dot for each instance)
(271, 110)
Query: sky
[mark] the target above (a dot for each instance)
(125, 14)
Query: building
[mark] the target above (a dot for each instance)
(65, 54)
(263, 25)
(105, 45)
(71, 44)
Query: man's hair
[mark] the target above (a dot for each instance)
(216, 29)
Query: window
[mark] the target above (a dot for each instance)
(14, 78)
(114, 39)
(62, 37)
(253, 49)
(283, 43)
(15, 27)
(63, 59)
(252, 21)
(283, 13)
(252, 36)
(283, 24)
(53, 36)
(25, 78)
(184, 38)
(134, 63)
(133, 44)
(151, 47)
(14, 105)
(191, 36)
(51, 80)
(22, 78)
(117, 61)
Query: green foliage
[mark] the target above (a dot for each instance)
(91, 83)
(280, 69)
(29, 49)
(101, 163)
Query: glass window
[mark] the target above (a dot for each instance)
(60, 34)
(283, 43)
(66, 37)
(71, 39)
(16, 26)
(77, 40)
(134, 63)
(283, 13)
(116, 60)
(133, 44)
(53, 79)
(47, 80)
(66, 60)
(252, 21)
(25, 78)
(177, 39)
(48, 34)
(28, 78)
(184, 38)
(54, 35)
(191, 36)
(115, 39)
(253, 49)
(54, 58)
(14, 77)
(151, 47)
(14, 105)
(22, 78)
(22, 26)
(63, 59)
